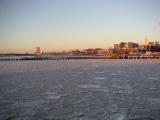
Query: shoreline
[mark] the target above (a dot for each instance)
(22, 58)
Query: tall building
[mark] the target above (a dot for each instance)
(38, 51)
(117, 46)
(146, 41)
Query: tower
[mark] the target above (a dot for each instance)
(146, 41)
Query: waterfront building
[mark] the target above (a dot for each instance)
(117, 46)
(122, 45)
(153, 47)
(75, 52)
(131, 45)
(103, 52)
(38, 51)
(91, 51)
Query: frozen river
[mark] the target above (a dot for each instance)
(80, 90)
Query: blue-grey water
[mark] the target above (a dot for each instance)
(80, 90)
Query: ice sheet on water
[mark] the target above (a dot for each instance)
(28, 103)
(96, 87)
(52, 95)
(99, 72)
(153, 78)
(115, 74)
(142, 118)
(118, 116)
(100, 78)
(127, 89)
(90, 86)
(154, 101)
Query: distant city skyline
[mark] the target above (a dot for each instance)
(56, 25)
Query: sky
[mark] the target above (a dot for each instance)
(56, 25)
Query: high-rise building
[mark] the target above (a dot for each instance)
(38, 51)
(146, 41)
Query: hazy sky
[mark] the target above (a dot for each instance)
(68, 24)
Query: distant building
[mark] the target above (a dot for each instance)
(142, 49)
(75, 52)
(130, 45)
(38, 51)
(117, 46)
(153, 47)
(122, 45)
(103, 52)
(150, 43)
(146, 41)
(91, 51)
